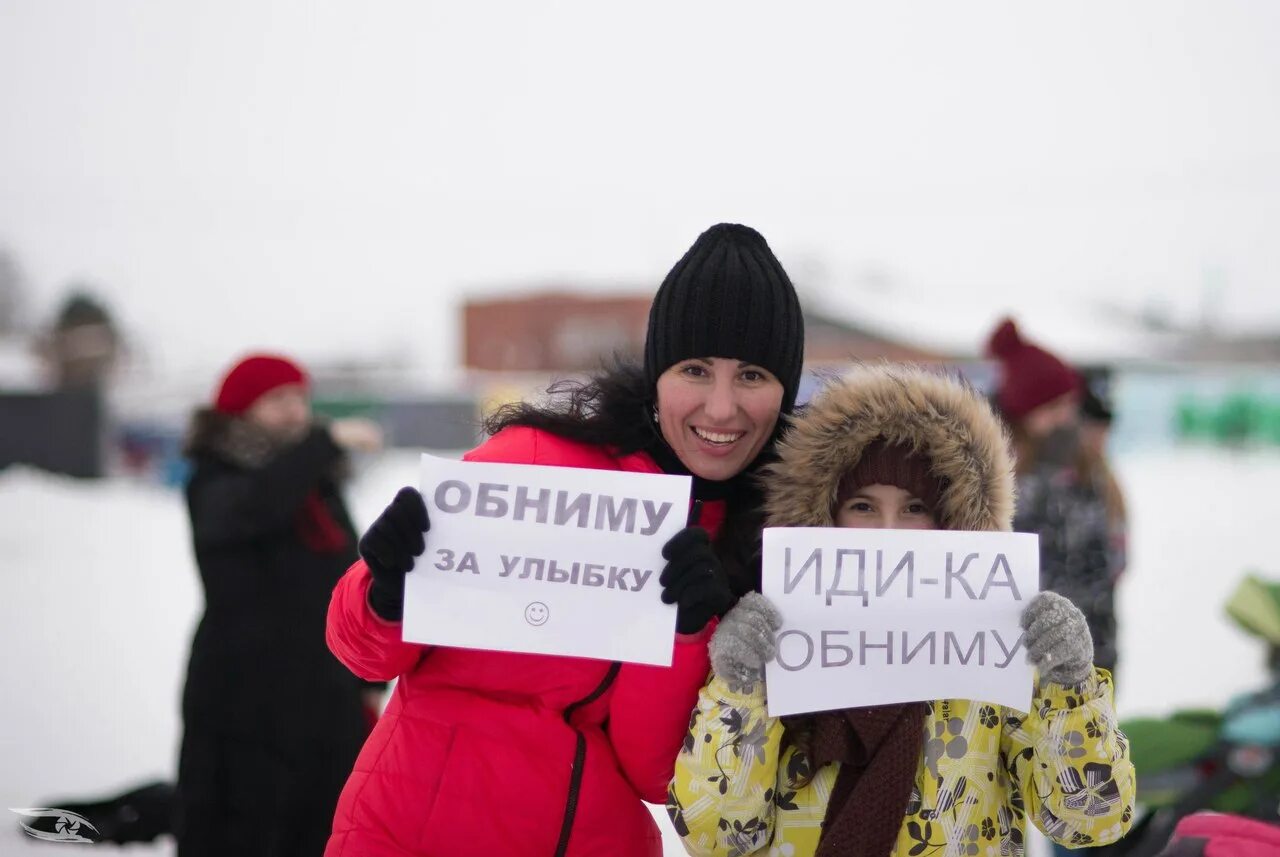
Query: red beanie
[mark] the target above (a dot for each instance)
(1030, 376)
(252, 378)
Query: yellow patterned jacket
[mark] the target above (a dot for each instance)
(983, 771)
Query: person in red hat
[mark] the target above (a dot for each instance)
(272, 721)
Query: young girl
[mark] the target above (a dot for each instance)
(906, 449)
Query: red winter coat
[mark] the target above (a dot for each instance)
(477, 750)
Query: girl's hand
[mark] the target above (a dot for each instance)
(744, 641)
(1057, 639)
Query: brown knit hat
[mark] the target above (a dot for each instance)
(897, 465)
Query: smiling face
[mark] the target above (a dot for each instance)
(717, 414)
(537, 614)
(885, 507)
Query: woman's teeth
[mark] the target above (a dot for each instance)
(718, 437)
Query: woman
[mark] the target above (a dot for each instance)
(489, 753)
(272, 722)
(899, 448)
(1064, 494)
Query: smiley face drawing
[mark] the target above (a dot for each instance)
(537, 614)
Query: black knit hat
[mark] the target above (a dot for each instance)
(728, 297)
(1095, 408)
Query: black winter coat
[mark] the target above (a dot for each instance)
(1076, 558)
(267, 709)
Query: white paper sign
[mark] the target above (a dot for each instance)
(550, 560)
(876, 617)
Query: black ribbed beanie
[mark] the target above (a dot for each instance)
(728, 297)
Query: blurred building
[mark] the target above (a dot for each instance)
(1213, 347)
(62, 431)
(552, 331)
(831, 340)
(564, 332)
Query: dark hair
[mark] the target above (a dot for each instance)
(611, 408)
(614, 408)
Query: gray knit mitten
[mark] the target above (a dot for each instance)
(1057, 638)
(744, 641)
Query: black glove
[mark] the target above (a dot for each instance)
(389, 548)
(694, 580)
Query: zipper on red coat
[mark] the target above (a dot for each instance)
(579, 757)
(580, 749)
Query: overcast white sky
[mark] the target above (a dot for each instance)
(333, 177)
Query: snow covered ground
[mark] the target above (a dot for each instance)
(100, 598)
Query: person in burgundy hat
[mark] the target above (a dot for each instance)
(272, 721)
(1060, 496)
(1062, 493)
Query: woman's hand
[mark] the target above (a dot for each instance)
(356, 434)
(694, 580)
(389, 548)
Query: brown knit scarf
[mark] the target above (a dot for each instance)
(878, 749)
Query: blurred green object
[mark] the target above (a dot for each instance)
(1270, 422)
(1162, 745)
(1255, 607)
(348, 406)
(1189, 417)
(1174, 754)
(1236, 418)
(1239, 418)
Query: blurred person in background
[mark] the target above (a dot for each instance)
(1096, 418)
(272, 721)
(82, 346)
(1066, 492)
(490, 752)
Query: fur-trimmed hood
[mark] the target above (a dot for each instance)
(938, 416)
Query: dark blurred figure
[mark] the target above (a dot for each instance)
(272, 721)
(1066, 493)
(83, 346)
(1096, 418)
